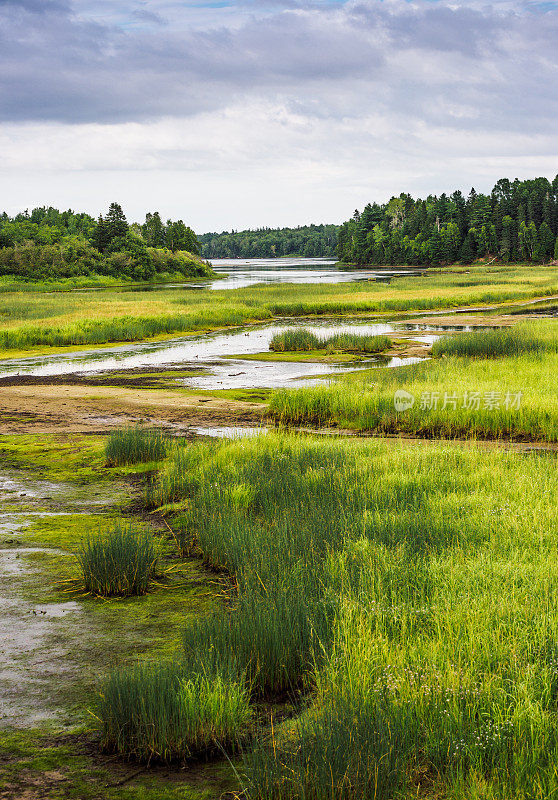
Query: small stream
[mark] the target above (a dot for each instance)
(216, 358)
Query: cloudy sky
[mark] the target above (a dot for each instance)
(240, 113)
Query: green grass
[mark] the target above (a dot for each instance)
(512, 397)
(161, 712)
(427, 578)
(118, 563)
(136, 444)
(121, 329)
(105, 316)
(525, 338)
(302, 339)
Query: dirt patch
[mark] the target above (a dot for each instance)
(40, 407)
(474, 321)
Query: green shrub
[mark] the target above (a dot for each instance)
(135, 444)
(164, 712)
(121, 562)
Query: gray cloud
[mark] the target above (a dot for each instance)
(466, 66)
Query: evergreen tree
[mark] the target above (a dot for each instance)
(468, 251)
(115, 221)
(545, 244)
(101, 237)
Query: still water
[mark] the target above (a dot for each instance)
(247, 272)
(217, 356)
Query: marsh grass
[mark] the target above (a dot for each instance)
(162, 712)
(498, 343)
(301, 339)
(134, 445)
(123, 328)
(516, 395)
(118, 563)
(426, 580)
(111, 316)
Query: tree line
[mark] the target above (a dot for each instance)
(310, 241)
(516, 222)
(48, 243)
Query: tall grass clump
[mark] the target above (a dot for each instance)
(497, 343)
(355, 343)
(118, 563)
(135, 444)
(162, 712)
(301, 339)
(297, 339)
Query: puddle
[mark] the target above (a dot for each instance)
(15, 489)
(229, 432)
(13, 561)
(207, 352)
(33, 662)
(37, 649)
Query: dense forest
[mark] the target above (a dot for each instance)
(517, 221)
(310, 241)
(47, 243)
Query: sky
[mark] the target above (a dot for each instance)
(235, 114)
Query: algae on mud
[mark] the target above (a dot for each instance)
(46, 522)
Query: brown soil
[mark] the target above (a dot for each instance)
(33, 407)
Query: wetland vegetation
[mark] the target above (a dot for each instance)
(511, 395)
(302, 340)
(399, 595)
(119, 562)
(289, 616)
(43, 320)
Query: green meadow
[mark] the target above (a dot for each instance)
(400, 596)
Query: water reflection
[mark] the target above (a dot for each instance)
(207, 353)
(241, 273)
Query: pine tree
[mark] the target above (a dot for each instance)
(468, 250)
(115, 221)
(101, 238)
(545, 244)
